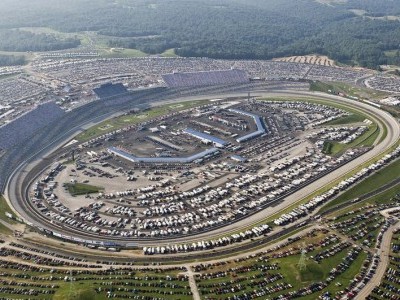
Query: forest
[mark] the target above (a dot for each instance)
(240, 29)
(11, 60)
(19, 40)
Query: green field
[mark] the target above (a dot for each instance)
(85, 289)
(169, 53)
(352, 118)
(382, 198)
(76, 189)
(4, 207)
(370, 139)
(367, 139)
(122, 53)
(380, 178)
(94, 40)
(327, 148)
(318, 272)
(158, 284)
(5, 230)
(347, 89)
(287, 266)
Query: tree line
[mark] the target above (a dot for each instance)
(231, 29)
(20, 40)
(11, 60)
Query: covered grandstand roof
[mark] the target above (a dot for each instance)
(259, 123)
(205, 78)
(206, 137)
(165, 160)
(109, 89)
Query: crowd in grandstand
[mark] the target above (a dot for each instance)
(25, 126)
(108, 90)
(148, 70)
(219, 77)
(17, 88)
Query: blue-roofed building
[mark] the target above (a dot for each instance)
(259, 123)
(164, 160)
(206, 137)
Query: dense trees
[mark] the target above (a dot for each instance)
(19, 40)
(11, 60)
(249, 29)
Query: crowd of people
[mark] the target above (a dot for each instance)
(148, 70)
(17, 88)
(25, 126)
(220, 77)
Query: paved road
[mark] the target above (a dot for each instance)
(192, 282)
(391, 138)
(384, 250)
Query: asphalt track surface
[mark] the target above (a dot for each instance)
(27, 159)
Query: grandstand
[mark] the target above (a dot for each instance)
(163, 160)
(25, 126)
(109, 90)
(259, 123)
(205, 78)
(206, 137)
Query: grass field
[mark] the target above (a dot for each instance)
(122, 53)
(80, 292)
(5, 230)
(385, 197)
(126, 120)
(84, 289)
(327, 148)
(169, 53)
(347, 89)
(152, 284)
(367, 139)
(370, 139)
(353, 118)
(287, 267)
(76, 189)
(94, 41)
(4, 207)
(343, 278)
(382, 177)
